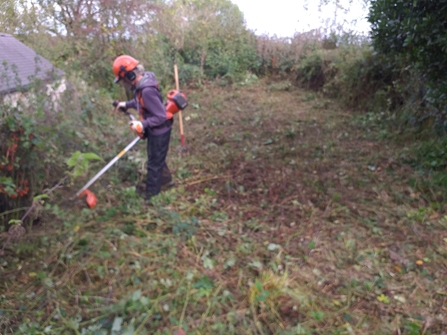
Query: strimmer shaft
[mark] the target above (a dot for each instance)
(105, 168)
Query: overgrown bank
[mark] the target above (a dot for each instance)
(290, 216)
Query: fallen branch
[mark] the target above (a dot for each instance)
(206, 179)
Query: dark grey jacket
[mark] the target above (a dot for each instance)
(149, 104)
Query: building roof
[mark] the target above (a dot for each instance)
(20, 65)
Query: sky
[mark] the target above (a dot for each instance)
(285, 17)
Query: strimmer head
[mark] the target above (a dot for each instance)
(90, 199)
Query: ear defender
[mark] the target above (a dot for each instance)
(130, 75)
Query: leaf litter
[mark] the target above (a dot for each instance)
(278, 225)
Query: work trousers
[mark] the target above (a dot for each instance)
(157, 170)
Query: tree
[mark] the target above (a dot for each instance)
(9, 16)
(79, 35)
(414, 32)
(207, 33)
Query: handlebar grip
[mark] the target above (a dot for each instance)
(122, 109)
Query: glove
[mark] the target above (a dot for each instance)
(120, 105)
(137, 127)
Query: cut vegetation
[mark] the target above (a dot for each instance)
(290, 216)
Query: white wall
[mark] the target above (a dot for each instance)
(53, 91)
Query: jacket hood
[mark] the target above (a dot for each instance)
(147, 80)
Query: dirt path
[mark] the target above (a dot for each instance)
(304, 175)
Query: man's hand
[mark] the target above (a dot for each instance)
(137, 127)
(120, 105)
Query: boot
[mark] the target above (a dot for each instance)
(168, 185)
(166, 179)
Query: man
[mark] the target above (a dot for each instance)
(154, 123)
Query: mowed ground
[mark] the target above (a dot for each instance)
(290, 216)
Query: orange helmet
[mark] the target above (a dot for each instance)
(123, 66)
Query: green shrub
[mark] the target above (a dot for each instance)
(311, 70)
(412, 35)
(37, 136)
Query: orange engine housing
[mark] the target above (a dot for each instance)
(177, 101)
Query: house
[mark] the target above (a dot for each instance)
(21, 67)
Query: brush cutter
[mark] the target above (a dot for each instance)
(84, 191)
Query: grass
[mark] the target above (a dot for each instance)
(288, 218)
